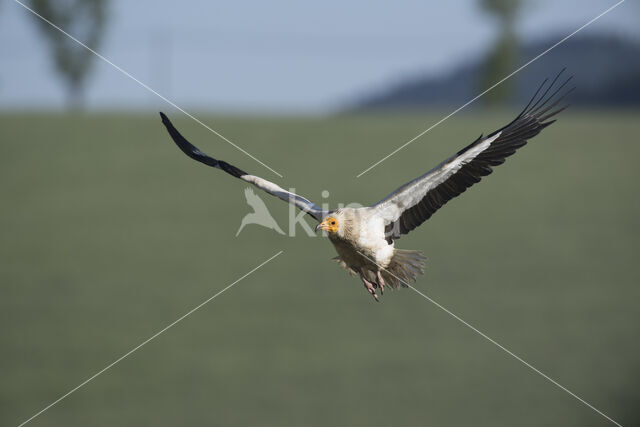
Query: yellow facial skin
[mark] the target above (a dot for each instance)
(329, 224)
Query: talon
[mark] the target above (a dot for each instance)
(381, 282)
(370, 288)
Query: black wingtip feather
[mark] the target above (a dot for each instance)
(184, 145)
(230, 169)
(535, 116)
(535, 95)
(195, 153)
(545, 106)
(533, 108)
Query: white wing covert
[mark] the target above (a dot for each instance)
(415, 202)
(268, 186)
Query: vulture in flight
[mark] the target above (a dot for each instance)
(364, 237)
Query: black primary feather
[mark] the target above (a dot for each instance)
(531, 120)
(195, 153)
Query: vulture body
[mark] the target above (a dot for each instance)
(364, 238)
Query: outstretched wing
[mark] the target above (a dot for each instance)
(271, 188)
(415, 202)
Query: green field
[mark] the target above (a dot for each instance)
(109, 233)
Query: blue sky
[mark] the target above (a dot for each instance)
(280, 56)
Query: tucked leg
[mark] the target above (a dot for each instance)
(370, 288)
(381, 283)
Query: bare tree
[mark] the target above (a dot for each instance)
(86, 21)
(501, 60)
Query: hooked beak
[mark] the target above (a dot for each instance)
(322, 226)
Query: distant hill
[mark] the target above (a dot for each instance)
(606, 70)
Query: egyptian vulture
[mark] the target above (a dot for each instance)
(364, 237)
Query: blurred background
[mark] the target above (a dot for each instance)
(109, 233)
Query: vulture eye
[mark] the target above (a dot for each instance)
(333, 222)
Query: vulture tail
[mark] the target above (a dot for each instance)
(405, 266)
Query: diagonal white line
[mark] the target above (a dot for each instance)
(489, 89)
(497, 344)
(170, 325)
(515, 356)
(168, 101)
